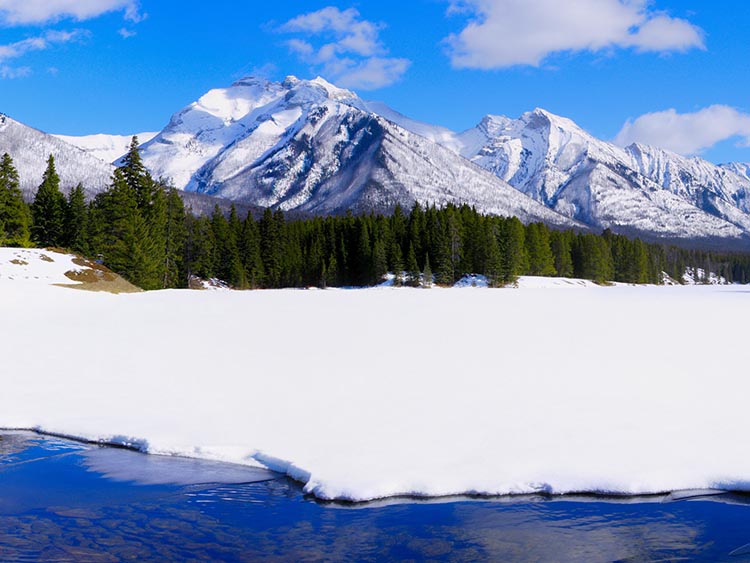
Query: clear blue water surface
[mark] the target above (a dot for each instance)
(61, 501)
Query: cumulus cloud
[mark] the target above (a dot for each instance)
(345, 48)
(687, 133)
(504, 33)
(30, 12)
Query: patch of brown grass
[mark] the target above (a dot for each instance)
(96, 277)
(45, 258)
(19, 262)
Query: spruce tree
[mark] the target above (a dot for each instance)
(379, 261)
(560, 243)
(494, 262)
(250, 252)
(76, 217)
(272, 228)
(129, 225)
(363, 275)
(397, 263)
(175, 238)
(227, 265)
(541, 259)
(412, 267)
(48, 209)
(15, 216)
(427, 273)
(515, 261)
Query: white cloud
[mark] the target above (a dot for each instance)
(374, 73)
(126, 33)
(687, 133)
(40, 43)
(29, 12)
(345, 48)
(504, 33)
(8, 72)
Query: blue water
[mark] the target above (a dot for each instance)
(61, 501)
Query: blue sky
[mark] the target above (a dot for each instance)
(124, 66)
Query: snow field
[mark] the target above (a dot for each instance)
(383, 392)
(20, 267)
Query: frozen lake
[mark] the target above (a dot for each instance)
(65, 501)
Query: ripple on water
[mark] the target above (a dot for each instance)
(70, 502)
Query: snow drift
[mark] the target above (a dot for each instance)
(383, 392)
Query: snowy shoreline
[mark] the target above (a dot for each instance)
(379, 393)
(661, 496)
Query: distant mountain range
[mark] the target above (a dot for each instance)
(30, 150)
(312, 147)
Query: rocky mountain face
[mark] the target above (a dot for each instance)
(30, 149)
(636, 190)
(309, 146)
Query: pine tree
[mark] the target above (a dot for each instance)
(379, 261)
(129, 224)
(515, 261)
(427, 273)
(272, 247)
(363, 275)
(494, 262)
(76, 218)
(48, 209)
(541, 260)
(250, 252)
(560, 243)
(15, 216)
(175, 237)
(227, 265)
(412, 268)
(397, 263)
(199, 248)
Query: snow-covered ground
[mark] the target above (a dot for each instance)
(21, 268)
(380, 392)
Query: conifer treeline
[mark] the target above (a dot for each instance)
(139, 228)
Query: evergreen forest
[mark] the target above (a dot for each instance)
(139, 227)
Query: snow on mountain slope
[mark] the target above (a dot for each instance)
(30, 149)
(108, 148)
(638, 190)
(435, 133)
(309, 146)
(739, 168)
(694, 179)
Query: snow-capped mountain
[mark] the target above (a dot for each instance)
(635, 190)
(30, 149)
(108, 148)
(309, 146)
(739, 168)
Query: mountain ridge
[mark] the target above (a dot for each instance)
(312, 147)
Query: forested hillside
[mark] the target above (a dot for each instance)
(141, 229)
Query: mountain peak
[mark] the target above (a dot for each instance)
(252, 81)
(333, 91)
(494, 125)
(541, 115)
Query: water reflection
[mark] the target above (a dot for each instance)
(61, 501)
(123, 465)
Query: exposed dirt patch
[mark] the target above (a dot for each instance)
(45, 258)
(96, 277)
(19, 262)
